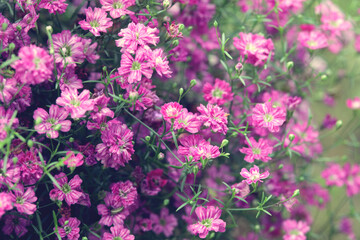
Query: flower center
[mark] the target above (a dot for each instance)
(65, 51)
(66, 188)
(295, 232)
(250, 47)
(135, 66)
(67, 229)
(75, 102)
(217, 93)
(51, 120)
(207, 222)
(162, 222)
(19, 200)
(117, 5)
(256, 151)
(37, 62)
(117, 238)
(268, 117)
(312, 43)
(94, 24)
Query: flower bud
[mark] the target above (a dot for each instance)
(30, 143)
(195, 170)
(224, 143)
(147, 138)
(49, 29)
(166, 202)
(175, 43)
(166, 3)
(323, 77)
(338, 124)
(11, 47)
(104, 68)
(215, 23)
(296, 193)
(4, 26)
(161, 156)
(18, 27)
(192, 82)
(71, 139)
(291, 137)
(181, 27)
(181, 91)
(57, 127)
(15, 159)
(281, 166)
(289, 65)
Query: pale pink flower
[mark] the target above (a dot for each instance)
(125, 192)
(197, 147)
(53, 122)
(24, 200)
(254, 48)
(257, 150)
(218, 93)
(254, 175)
(136, 36)
(70, 191)
(241, 189)
(117, 8)
(353, 103)
(7, 120)
(96, 21)
(209, 220)
(90, 50)
(72, 160)
(69, 79)
(160, 63)
(266, 116)
(334, 175)
(295, 230)
(34, 66)
(165, 223)
(188, 121)
(54, 6)
(171, 111)
(76, 105)
(352, 179)
(69, 228)
(312, 38)
(5, 203)
(112, 212)
(214, 117)
(118, 232)
(133, 68)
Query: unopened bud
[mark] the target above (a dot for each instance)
(257, 227)
(296, 193)
(166, 3)
(71, 139)
(147, 138)
(238, 67)
(234, 134)
(49, 29)
(30, 143)
(215, 23)
(166, 202)
(224, 143)
(18, 27)
(66, 222)
(175, 43)
(181, 91)
(291, 137)
(181, 27)
(84, 238)
(323, 77)
(301, 178)
(161, 156)
(4, 26)
(195, 170)
(15, 159)
(268, 78)
(104, 68)
(289, 65)
(281, 166)
(338, 124)
(192, 82)
(57, 127)
(11, 47)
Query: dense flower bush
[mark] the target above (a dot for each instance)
(175, 119)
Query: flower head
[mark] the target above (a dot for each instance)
(254, 175)
(112, 212)
(312, 38)
(69, 228)
(133, 68)
(353, 103)
(96, 21)
(295, 230)
(171, 111)
(125, 192)
(165, 223)
(214, 117)
(219, 93)
(70, 191)
(5, 203)
(24, 200)
(118, 232)
(117, 8)
(267, 116)
(76, 104)
(257, 150)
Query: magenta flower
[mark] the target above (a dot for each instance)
(214, 117)
(117, 146)
(96, 21)
(117, 8)
(165, 223)
(125, 192)
(218, 93)
(197, 147)
(171, 111)
(133, 68)
(30, 167)
(8, 88)
(173, 30)
(7, 120)
(71, 160)
(53, 122)
(70, 191)
(135, 36)
(5, 203)
(295, 230)
(160, 63)
(352, 179)
(209, 220)
(311, 38)
(334, 175)
(353, 103)
(112, 212)
(254, 175)
(241, 189)
(69, 79)
(254, 48)
(16, 223)
(188, 121)
(34, 66)
(76, 105)
(24, 200)
(118, 232)
(54, 6)
(257, 150)
(267, 116)
(153, 183)
(90, 50)
(68, 48)
(69, 228)
(345, 226)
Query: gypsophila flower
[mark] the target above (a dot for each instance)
(112, 212)
(5, 203)
(134, 68)
(353, 103)
(295, 230)
(257, 150)
(54, 6)
(254, 175)
(117, 8)
(219, 93)
(71, 160)
(16, 223)
(24, 200)
(267, 116)
(69, 228)
(70, 191)
(125, 192)
(165, 223)
(118, 232)
(77, 105)
(171, 111)
(214, 117)
(96, 21)
(7, 119)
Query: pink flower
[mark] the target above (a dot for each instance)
(8, 89)
(312, 39)
(173, 30)
(352, 180)
(96, 21)
(34, 66)
(133, 68)
(69, 79)
(7, 120)
(209, 220)
(165, 223)
(334, 175)
(345, 226)
(16, 223)
(334, 23)
(135, 36)
(188, 121)
(5, 203)
(117, 8)
(197, 147)
(70, 191)
(214, 117)
(219, 93)
(255, 48)
(257, 150)
(112, 212)
(117, 146)
(254, 175)
(90, 50)
(267, 116)
(160, 63)
(69, 228)
(171, 111)
(76, 105)
(295, 230)
(125, 192)
(118, 232)
(353, 103)
(68, 48)
(71, 160)
(241, 189)
(153, 183)
(24, 200)
(54, 6)
(53, 122)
